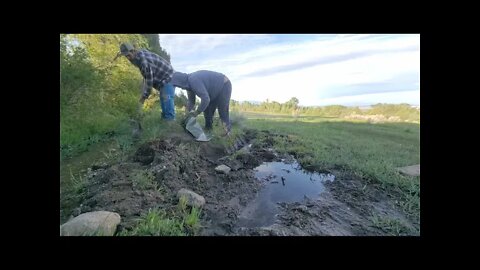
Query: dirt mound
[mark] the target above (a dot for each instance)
(166, 166)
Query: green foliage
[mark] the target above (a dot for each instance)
(154, 46)
(393, 227)
(184, 222)
(181, 100)
(77, 184)
(156, 223)
(390, 112)
(192, 220)
(190, 216)
(97, 94)
(274, 107)
(143, 180)
(404, 111)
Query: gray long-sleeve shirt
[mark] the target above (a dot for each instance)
(205, 84)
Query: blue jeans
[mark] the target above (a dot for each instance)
(167, 94)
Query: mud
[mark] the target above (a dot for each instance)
(344, 207)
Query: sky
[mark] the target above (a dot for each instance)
(318, 69)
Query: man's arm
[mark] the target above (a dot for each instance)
(199, 89)
(148, 80)
(191, 101)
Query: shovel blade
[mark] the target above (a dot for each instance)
(194, 128)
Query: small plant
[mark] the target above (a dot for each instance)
(393, 227)
(155, 223)
(143, 180)
(77, 183)
(125, 143)
(192, 220)
(110, 154)
(411, 205)
(157, 187)
(182, 204)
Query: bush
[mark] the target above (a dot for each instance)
(96, 93)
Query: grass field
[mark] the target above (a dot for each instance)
(371, 151)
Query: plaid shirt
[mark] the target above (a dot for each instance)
(155, 70)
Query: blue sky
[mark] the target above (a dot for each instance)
(350, 70)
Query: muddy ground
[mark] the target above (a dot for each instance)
(346, 206)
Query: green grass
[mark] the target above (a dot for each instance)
(154, 127)
(371, 151)
(393, 227)
(87, 127)
(143, 180)
(156, 223)
(191, 218)
(72, 192)
(77, 182)
(81, 134)
(183, 222)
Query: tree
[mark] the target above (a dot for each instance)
(292, 103)
(181, 100)
(154, 44)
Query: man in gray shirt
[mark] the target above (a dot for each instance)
(214, 90)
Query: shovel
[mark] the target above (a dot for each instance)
(196, 130)
(135, 122)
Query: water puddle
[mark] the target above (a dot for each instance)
(284, 182)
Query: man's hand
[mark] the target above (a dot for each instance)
(192, 113)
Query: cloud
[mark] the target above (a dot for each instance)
(187, 45)
(328, 60)
(312, 68)
(397, 83)
(410, 97)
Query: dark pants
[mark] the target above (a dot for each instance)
(222, 103)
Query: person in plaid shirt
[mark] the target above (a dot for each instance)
(157, 73)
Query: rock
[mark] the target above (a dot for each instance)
(413, 170)
(193, 199)
(245, 149)
(98, 223)
(222, 169)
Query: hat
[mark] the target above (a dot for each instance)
(125, 48)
